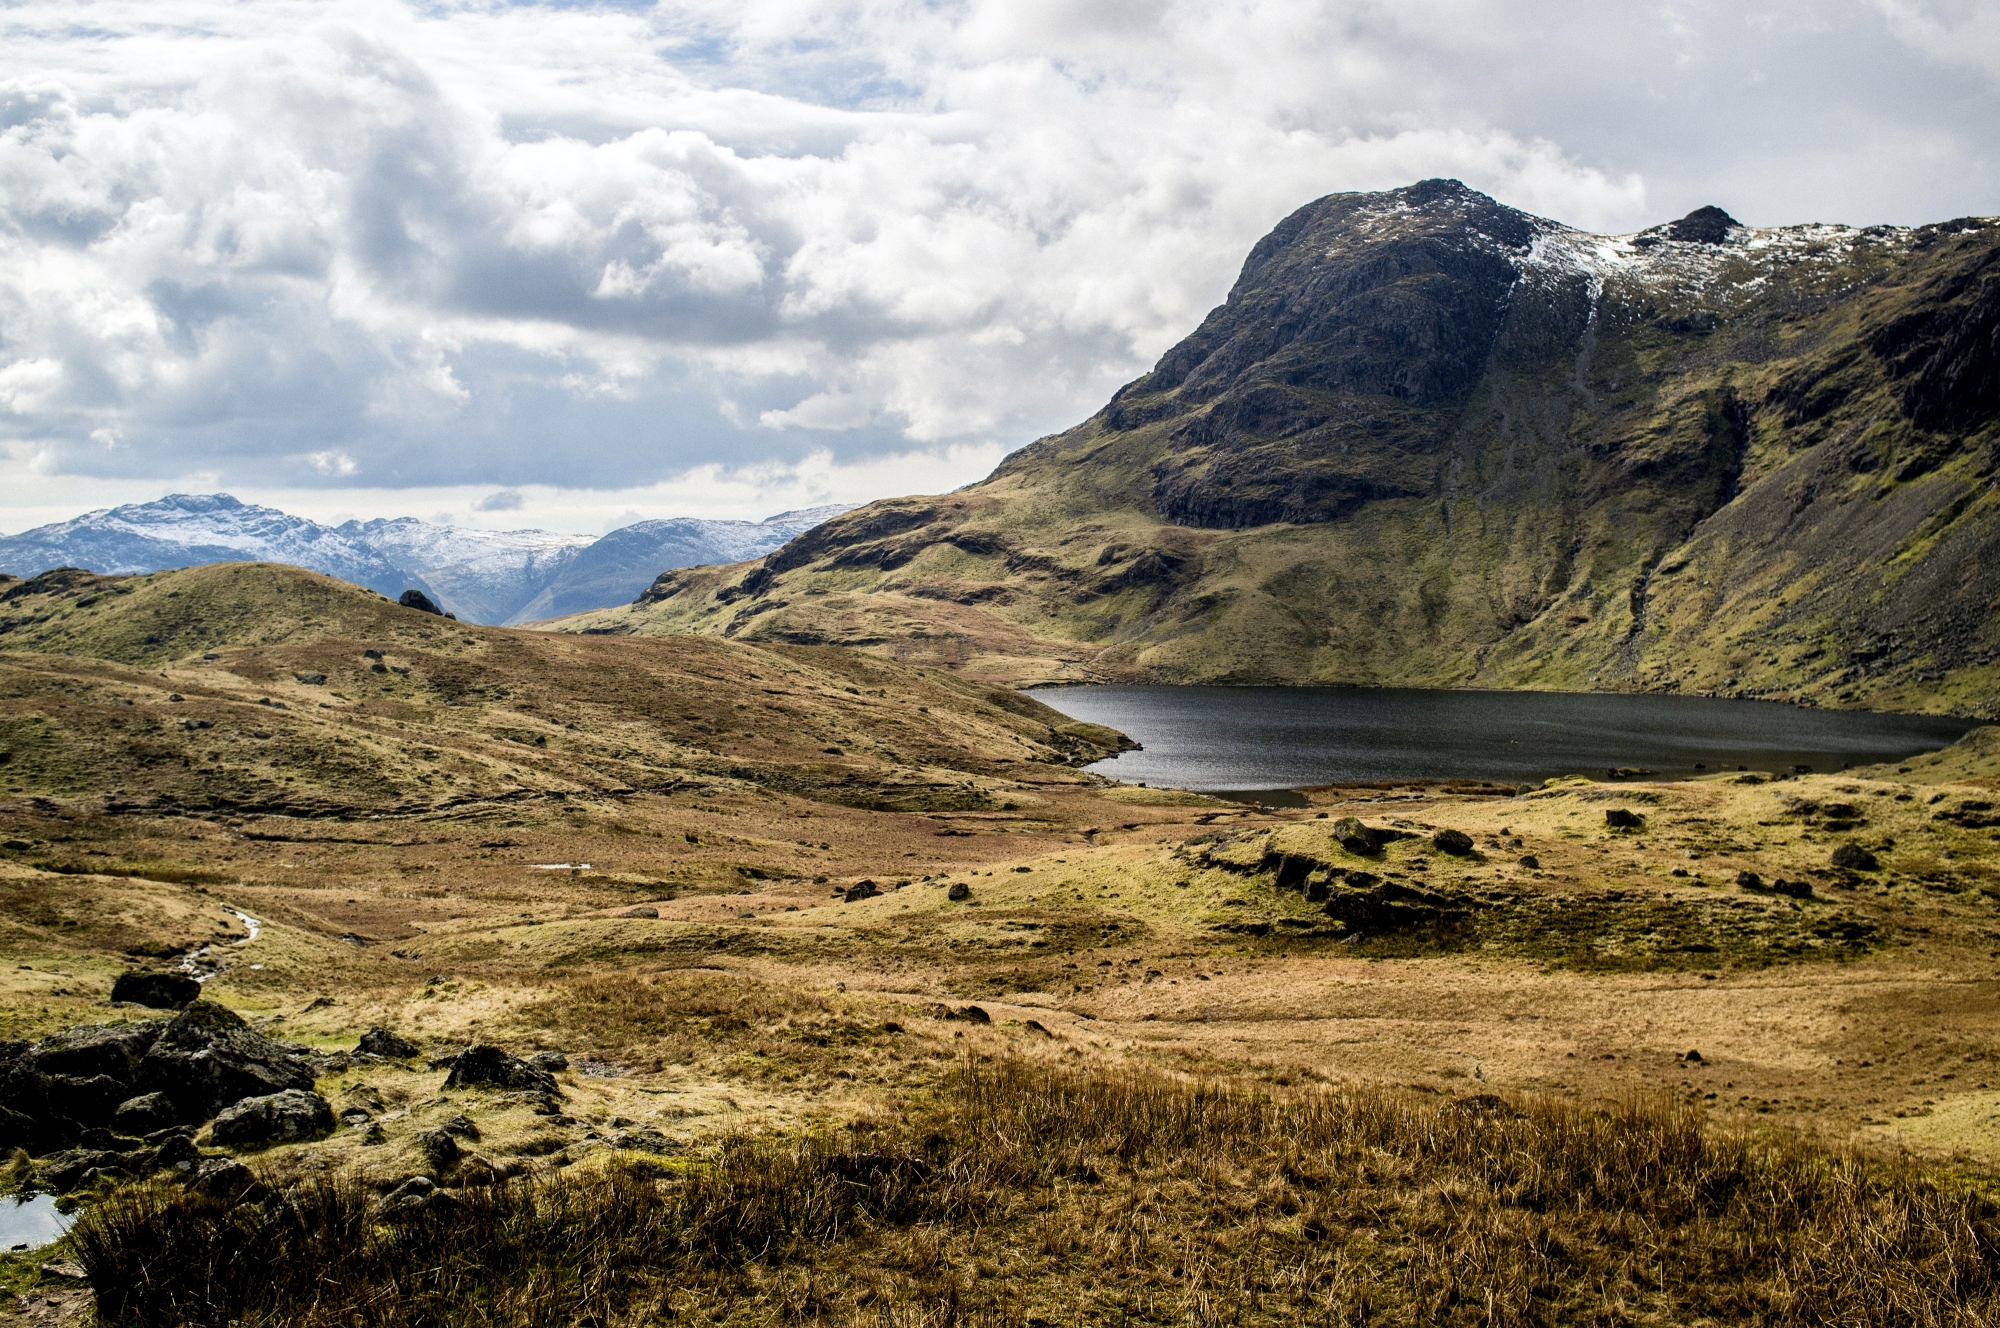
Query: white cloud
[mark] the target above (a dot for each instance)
(678, 251)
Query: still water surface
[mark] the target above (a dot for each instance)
(1246, 738)
(30, 1223)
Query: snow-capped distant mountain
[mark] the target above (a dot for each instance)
(616, 568)
(187, 530)
(487, 576)
(481, 575)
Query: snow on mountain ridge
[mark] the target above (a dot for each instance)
(186, 530)
(481, 575)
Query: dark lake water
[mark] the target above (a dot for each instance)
(1214, 739)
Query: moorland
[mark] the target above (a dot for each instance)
(868, 1004)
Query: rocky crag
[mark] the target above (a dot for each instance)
(1432, 440)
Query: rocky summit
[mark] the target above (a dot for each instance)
(1432, 440)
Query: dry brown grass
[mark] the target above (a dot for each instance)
(732, 1023)
(1031, 1192)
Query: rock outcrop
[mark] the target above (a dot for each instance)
(133, 1077)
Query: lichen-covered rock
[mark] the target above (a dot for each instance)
(438, 1146)
(206, 1059)
(483, 1064)
(1853, 857)
(278, 1118)
(1455, 842)
(1355, 837)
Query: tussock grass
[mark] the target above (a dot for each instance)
(1030, 1191)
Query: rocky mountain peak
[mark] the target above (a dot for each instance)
(1704, 225)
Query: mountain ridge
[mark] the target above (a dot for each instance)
(1432, 440)
(480, 575)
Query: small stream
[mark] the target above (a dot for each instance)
(203, 963)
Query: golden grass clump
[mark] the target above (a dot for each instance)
(1030, 1192)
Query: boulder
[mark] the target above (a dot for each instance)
(116, 1050)
(1455, 842)
(87, 1100)
(1619, 818)
(438, 1146)
(77, 1167)
(483, 1064)
(277, 1118)
(176, 1152)
(206, 1059)
(1749, 880)
(382, 1042)
(552, 1061)
(1853, 857)
(1356, 837)
(1531, 862)
(157, 991)
(418, 600)
(641, 911)
(860, 890)
(144, 1114)
(959, 892)
(51, 1092)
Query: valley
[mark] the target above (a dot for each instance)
(758, 896)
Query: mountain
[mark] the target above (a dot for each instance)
(480, 575)
(1432, 440)
(626, 561)
(189, 530)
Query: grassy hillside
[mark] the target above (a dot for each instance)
(1759, 465)
(256, 687)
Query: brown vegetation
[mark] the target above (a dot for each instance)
(1029, 1192)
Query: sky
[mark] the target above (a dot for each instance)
(574, 265)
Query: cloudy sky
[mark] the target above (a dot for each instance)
(572, 265)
